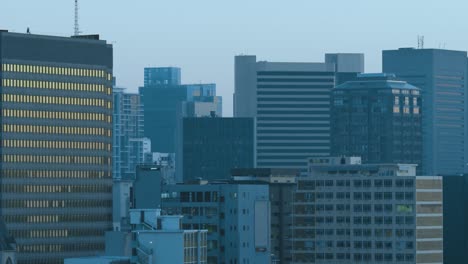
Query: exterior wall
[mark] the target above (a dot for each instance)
(429, 220)
(367, 214)
(346, 62)
(147, 188)
(56, 145)
(442, 77)
(455, 198)
(162, 76)
(162, 110)
(128, 127)
(228, 212)
(245, 95)
(211, 147)
(281, 197)
(378, 119)
(291, 103)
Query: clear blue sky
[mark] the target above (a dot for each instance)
(202, 36)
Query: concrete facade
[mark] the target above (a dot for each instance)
(237, 218)
(160, 239)
(348, 212)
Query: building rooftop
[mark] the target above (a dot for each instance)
(376, 81)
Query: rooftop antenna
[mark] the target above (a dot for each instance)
(420, 42)
(77, 26)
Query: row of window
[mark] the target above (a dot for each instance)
(357, 257)
(55, 115)
(357, 220)
(55, 248)
(40, 69)
(387, 183)
(96, 131)
(13, 188)
(79, 218)
(82, 87)
(56, 203)
(364, 232)
(62, 174)
(11, 143)
(56, 159)
(60, 100)
(57, 233)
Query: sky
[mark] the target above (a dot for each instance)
(203, 36)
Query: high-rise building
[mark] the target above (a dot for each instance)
(442, 77)
(163, 109)
(348, 212)
(291, 104)
(237, 217)
(210, 147)
(130, 147)
(56, 151)
(377, 118)
(162, 76)
(282, 186)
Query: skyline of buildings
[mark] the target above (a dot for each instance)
(261, 188)
(291, 104)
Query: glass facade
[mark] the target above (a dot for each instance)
(56, 145)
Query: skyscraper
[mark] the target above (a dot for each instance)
(162, 76)
(130, 148)
(291, 103)
(163, 105)
(56, 183)
(442, 77)
(378, 118)
(211, 147)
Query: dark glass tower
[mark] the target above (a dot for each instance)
(377, 118)
(211, 147)
(56, 144)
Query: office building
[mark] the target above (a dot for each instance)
(163, 108)
(210, 147)
(162, 76)
(56, 184)
(291, 104)
(455, 218)
(237, 217)
(377, 118)
(348, 212)
(130, 147)
(98, 260)
(166, 163)
(282, 186)
(442, 77)
(8, 246)
(160, 239)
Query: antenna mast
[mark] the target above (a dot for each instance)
(77, 26)
(420, 42)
